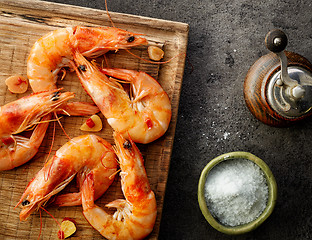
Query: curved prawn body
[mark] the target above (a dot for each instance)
(24, 114)
(54, 51)
(136, 214)
(80, 156)
(144, 115)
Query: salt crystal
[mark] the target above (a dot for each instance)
(236, 191)
(225, 135)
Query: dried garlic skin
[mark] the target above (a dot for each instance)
(17, 84)
(92, 124)
(155, 53)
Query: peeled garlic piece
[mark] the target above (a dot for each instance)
(17, 84)
(68, 228)
(155, 53)
(88, 125)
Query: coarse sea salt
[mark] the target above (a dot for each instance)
(236, 192)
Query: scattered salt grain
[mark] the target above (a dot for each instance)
(225, 135)
(236, 191)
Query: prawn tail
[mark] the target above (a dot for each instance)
(126, 75)
(95, 215)
(79, 109)
(119, 203)
(69, 199)
(87, 190)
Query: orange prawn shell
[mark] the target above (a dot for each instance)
(145, 116)
(79, 156)
(136, 214)
(55, 50)
(29, 112)
(45, 59)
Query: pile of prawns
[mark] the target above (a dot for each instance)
(140, 117)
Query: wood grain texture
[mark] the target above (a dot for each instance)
(255, 87)
(21, 24)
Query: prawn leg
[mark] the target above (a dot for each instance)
(79, 109)
(130, 76)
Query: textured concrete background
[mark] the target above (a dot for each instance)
(225, 38)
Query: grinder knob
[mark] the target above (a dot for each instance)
(276, 40)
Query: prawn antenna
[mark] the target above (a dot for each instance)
(110, 19)
(40, 223)
(149, 61)
(189, 62)
(53, 137)
(106, 61)
(102, 159)
(50, 216)
(59, 122)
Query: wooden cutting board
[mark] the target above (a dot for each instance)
(22, 22)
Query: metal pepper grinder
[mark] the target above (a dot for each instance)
(278, 86)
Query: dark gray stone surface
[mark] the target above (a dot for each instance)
(225, 38)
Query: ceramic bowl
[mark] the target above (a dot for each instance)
(240, 229)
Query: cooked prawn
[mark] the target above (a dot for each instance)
(80, 156)
(135, 216)
(21, 115)
(54, 51)
(144, 115)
